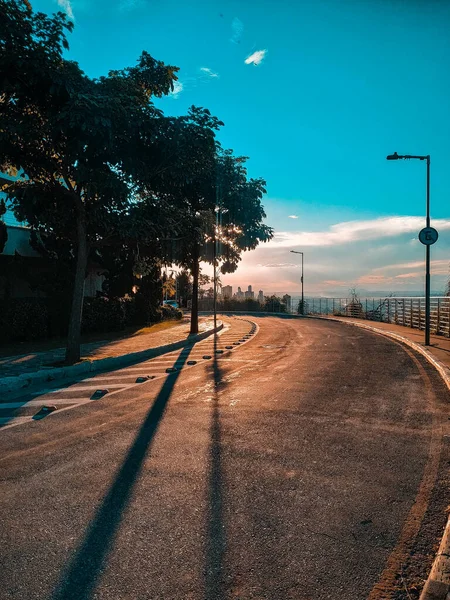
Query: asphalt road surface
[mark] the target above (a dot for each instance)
(304, 463)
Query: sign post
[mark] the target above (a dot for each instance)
(427, 236)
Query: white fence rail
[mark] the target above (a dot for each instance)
(409, 312)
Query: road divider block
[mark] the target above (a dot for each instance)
(27, 380)
(98, 394)
(44, 411)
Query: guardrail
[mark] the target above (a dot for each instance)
(406, 311)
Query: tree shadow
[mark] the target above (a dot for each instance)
(79, 580)
(43, 388)
(216, 534)
(28, 357)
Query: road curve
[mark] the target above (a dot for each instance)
(301, 465)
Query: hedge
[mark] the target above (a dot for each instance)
(26, 319)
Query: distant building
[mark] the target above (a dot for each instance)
(261, 297)
(239, 294)
(249, 293)
(17, 257)
(288, 302)
(227, 291)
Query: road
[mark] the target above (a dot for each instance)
(308, 463)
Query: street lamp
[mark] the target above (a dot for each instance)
(217, 251)
(303, 299)
(216, 224)
(427, 236)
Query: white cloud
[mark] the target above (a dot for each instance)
(209, 72)
(256, 58)
(177, 89)
(237, 27)
(438, 266)
(67, 7)
(293, 217)
(353, 231)
(280, 265)
(356, 253)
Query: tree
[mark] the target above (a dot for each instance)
(274, 304)
(3, 230)
(236, 224)
(169, 286)
(184, 288)
(73, 139)
(186, 177)
(203, 279)
(240, 214)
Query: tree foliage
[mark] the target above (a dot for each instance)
(3, 231)
(103, 176)
(73, 139)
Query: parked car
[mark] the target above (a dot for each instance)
(172, 303)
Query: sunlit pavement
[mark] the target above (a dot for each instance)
(64, 396)
(307, 462)
(11, 366)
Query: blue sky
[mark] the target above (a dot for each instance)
(337, 86)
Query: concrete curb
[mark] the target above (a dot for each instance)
(27, 380)
(437, 586)
(249, 313)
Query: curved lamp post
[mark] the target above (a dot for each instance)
(303, 299)
(427, 236)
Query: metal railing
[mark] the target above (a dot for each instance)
(406, 311)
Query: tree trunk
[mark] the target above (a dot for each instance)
(73, 338)
(194, 310)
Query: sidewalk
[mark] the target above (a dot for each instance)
(13, 366)
(439, 348)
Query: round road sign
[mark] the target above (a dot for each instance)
(428, 236)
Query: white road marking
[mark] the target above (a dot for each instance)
(85, 388)
(132, 373)
(55, 401)
(130, 370)
(111, 377)
(177, 358)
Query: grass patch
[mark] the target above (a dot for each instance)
(156, 327)
(32, 347)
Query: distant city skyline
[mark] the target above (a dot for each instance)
(340, 293)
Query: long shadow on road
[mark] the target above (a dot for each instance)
(216, 535)
(79, 580)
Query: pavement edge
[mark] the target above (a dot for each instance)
(437, 586)
(27, 380)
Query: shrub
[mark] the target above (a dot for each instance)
(23, 319)
(169, 313)
(145, 313)
(129, 306)
(103, 314)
